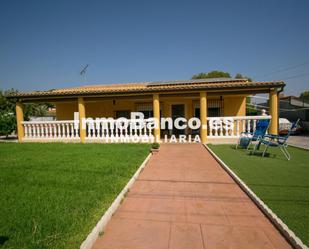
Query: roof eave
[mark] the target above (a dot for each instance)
(145, 90)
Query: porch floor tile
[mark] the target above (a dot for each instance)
(184, 199)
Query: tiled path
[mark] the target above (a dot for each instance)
(184, 200)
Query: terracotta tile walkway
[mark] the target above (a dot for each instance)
(183, 199)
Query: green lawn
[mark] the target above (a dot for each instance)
(283, 185)
(52, 195)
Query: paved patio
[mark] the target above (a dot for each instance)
(184, 199)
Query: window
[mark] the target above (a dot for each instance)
(146, 109)
(123, 114)
(147, 114)
(214, 112)
(214, 108)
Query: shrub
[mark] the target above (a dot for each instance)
(155, 146)
(7, 123)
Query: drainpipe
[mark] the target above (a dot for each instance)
(280, 91)
(278, 106)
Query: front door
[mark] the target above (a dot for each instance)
(177, 112)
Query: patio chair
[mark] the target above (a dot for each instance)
(257, 135)
(278, 141)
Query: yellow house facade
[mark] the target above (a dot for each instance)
(211, 100)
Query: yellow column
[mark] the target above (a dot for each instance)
(19, 120)
(273, 111)
(203, 116)
(156, 115)
(82, 115)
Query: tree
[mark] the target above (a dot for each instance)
(36, 110)
(251, 110)
(7, 123)
(7, 112)
(6, 104)
(304, 96)
(220, 74)
(240, 76)
(212, 74)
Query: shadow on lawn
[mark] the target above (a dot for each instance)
(3, 239)
(257, 153)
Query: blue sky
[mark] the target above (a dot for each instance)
(44, 44)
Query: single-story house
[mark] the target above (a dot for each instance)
(208, 99)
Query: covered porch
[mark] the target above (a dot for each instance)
(222, 115)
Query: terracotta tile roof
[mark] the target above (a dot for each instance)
(144, 87)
